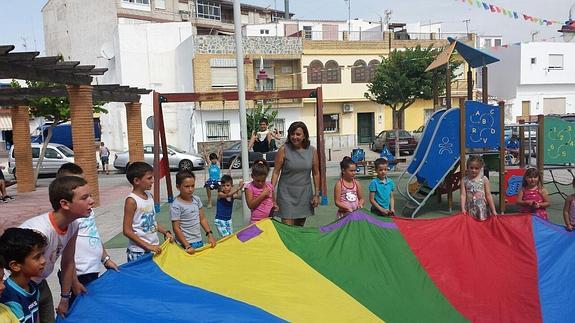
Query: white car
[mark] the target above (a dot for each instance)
(178, 159)
(56, 156)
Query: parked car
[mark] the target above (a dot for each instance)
(232, 157)
(177, 158)
(386, 138)
(56, 155)
(418, 133)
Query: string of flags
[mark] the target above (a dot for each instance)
(491, 8)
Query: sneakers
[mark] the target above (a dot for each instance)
(6, 198)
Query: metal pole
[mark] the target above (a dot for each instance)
(286, 13)
(502, 206)
(242, 102)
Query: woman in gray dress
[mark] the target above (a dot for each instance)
(295, 163)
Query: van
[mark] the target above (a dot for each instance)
(56, 156)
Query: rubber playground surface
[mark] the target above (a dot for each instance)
(325, 214)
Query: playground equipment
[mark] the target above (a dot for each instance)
(160, 165)
(450, 132)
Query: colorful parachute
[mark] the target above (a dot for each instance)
(513, 268)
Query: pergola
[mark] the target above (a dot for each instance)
(76, 82)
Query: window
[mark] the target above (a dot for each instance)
(66, 151)
(497, 42)
(555, 61)
(53, 154)
(217, 130)
(149, 150)
(143, 2)
(314, 72)
(264, 31)
(307, 32)
(331, 123)
(224, 72)
(280, 125)
(35, 152)
(533, 60)
(332, 72)
(372, 68)
(209, 10)
(359, 72)
(160, 4)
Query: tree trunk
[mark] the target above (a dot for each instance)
(43, 150)
(396, 127)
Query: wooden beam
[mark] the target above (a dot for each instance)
(233, 96)
(47, 60)
(26, 72)
(5, 49)
(19, 57)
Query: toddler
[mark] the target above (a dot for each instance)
(569, 210)
(381, 190)
(476, 199)
(348, 195)
(532, 197)
(225, 204)
(259, 192)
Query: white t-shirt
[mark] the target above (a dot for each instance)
(55, 238)
(88, 246)
(144, 222)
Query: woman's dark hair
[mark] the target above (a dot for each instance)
(292, 128)
(260, 168)
(530, 173)
(345, 163)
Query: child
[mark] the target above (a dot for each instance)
(22, 251)
(187, 214)
(569, 210)
(476, 192)
(140, 225)
(347, 191)
(214, 172)
(71, 199)
(225, 204)
(104, 157)
(6, 315)
(90, 250)
(259, 192)
(532, 197)
(381, 190)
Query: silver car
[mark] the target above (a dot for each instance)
(178, 159)
(56, 156)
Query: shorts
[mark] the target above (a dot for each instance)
(135, 255)
(104, 160)
(224, 227)
(212, 184)
(197, 244)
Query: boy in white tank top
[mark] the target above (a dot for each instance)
(140, 225)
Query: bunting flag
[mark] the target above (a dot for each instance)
(510, 268)
(511, 13)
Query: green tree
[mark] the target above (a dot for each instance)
(400, 79)
(54, 109)
(254, 116)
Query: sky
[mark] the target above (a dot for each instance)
(21, 20)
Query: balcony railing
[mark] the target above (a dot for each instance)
(371, 35)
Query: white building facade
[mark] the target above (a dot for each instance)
(535, 78)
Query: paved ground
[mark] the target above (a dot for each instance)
(114, 188)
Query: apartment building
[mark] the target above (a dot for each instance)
(535, 78)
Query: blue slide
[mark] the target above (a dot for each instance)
(437, 153)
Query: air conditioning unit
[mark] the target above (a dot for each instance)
(347, 107)
(185, 16)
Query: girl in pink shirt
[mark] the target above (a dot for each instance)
(532, 197)
(259, 192)
(347, 192)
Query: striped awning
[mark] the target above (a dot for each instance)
(5, 122)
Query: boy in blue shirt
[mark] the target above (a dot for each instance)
(22, 252)
(381, 190)
(225, 204)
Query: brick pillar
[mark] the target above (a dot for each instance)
(23, 149)
(82, 119)
(135, 133)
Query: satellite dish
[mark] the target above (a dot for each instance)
(107, 51)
